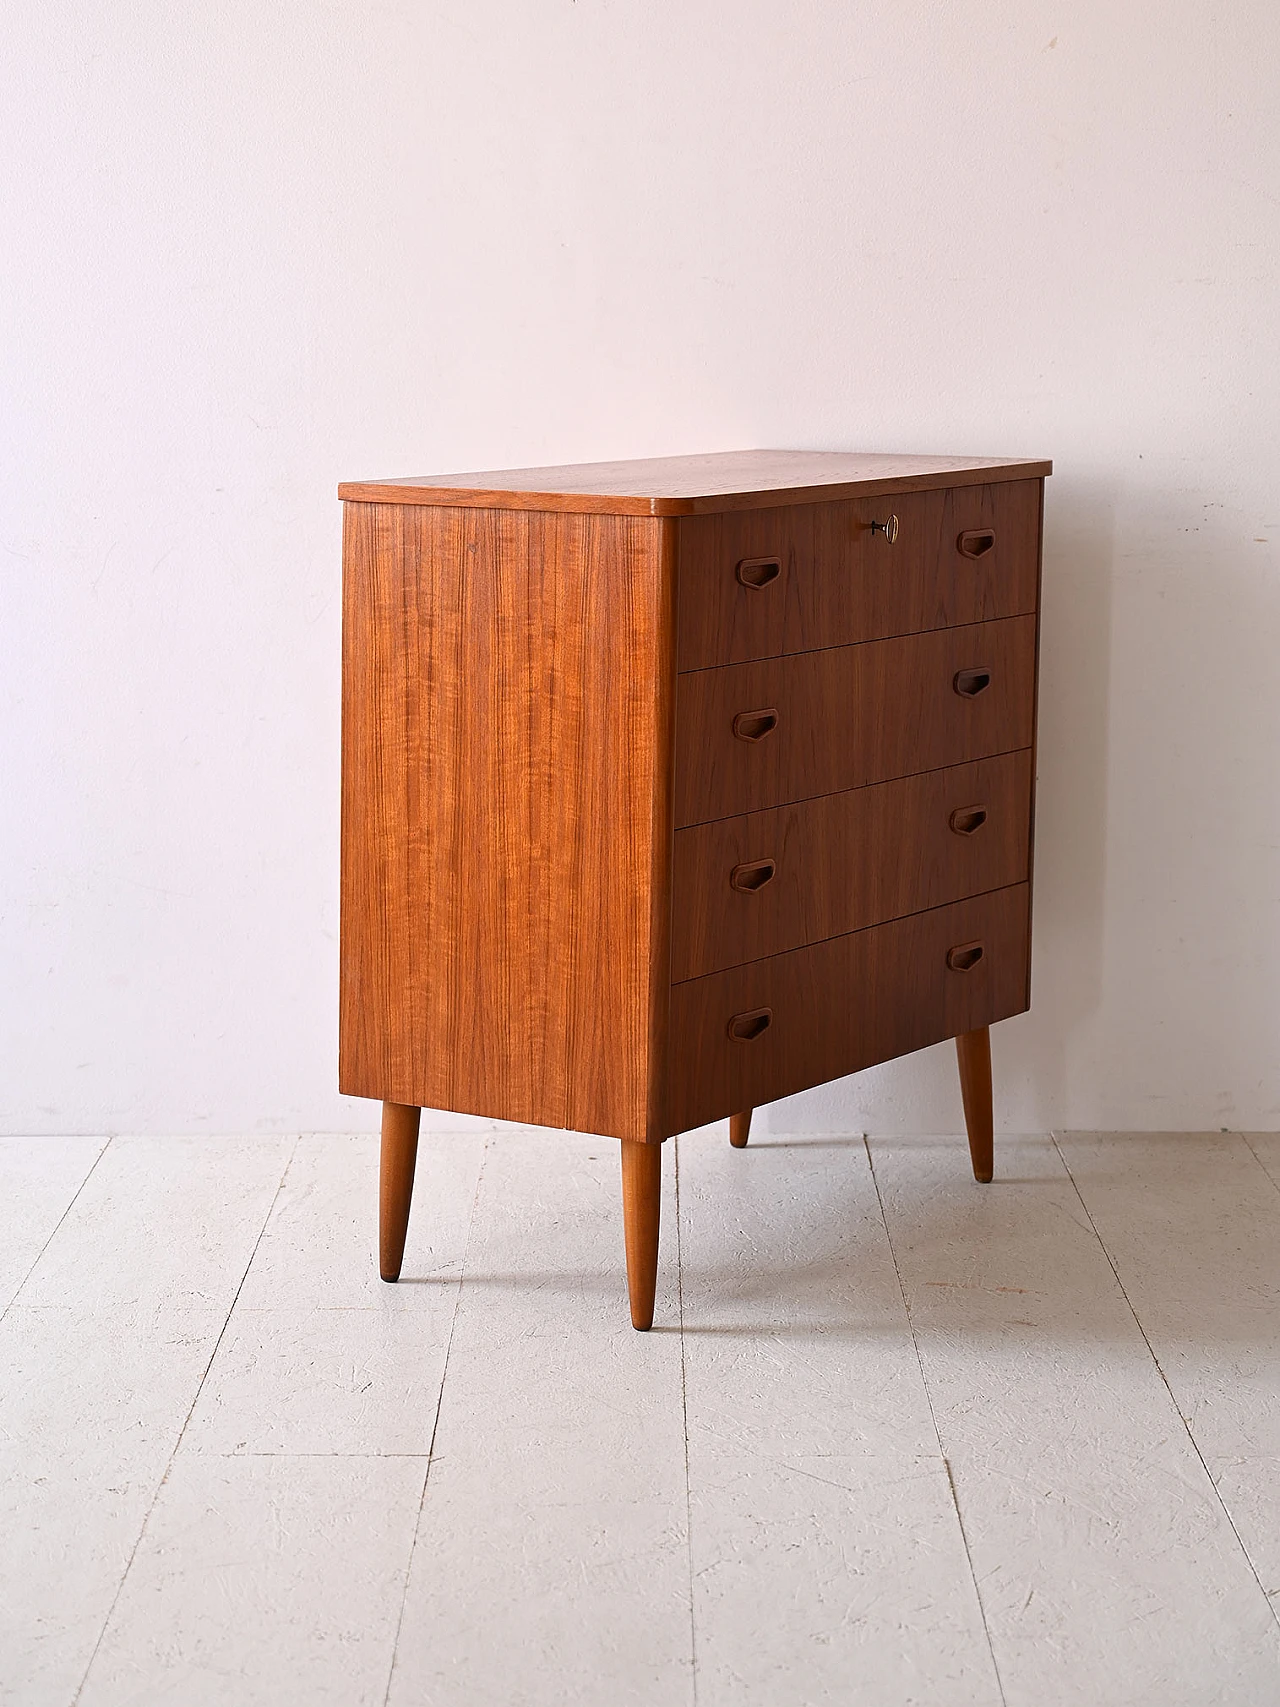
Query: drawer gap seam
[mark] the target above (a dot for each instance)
(815, 942)
(830, 794)
(843, 645)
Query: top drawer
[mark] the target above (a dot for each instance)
(760, 583)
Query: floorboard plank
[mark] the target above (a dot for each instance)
(551, 1563)
(321, 1245)
(39, 1177)
(1192, 1225)
(320, 1355)
(262, 1582)
(1266, 1148)
(1108, 1570)
(102, 1358)
(828, 1561)
(1112, 1432)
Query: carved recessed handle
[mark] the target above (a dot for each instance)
(755, 725)
(889, 529)
(970, 683)
(976, 542)
(753, 875)
(965, 956)
(758, 572)
(745, 1028)
(966, 819)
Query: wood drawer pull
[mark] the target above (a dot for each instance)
(758, 572)
(745, 1028)
(965, 956)
(755, 725)
(970, 683)
(976, 542)
(966, 819)
(753, 876)
(889, 529)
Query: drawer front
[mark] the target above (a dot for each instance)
(750, 736)
(762, 583)
(765, 882)
(758, 1032)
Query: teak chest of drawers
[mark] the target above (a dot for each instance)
(674, 787)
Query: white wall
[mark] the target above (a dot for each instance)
(247, 251)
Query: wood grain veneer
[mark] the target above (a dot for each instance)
(843, 1004)
(846, 861)
(673, 787)
(693, 485)
(850, 716)
(506, 813)
(839, 582)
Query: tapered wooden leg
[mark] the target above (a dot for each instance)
(973, 1050)
(641, 1206)
(740, 1129)
(395, 1183)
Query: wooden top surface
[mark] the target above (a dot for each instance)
(695, 485)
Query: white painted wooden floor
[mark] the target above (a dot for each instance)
(895, 1437)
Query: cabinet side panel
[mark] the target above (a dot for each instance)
(612, 782)
(400, 715)
(362, 978)
(500, 712)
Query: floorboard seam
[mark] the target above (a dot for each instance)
(160, 1485)
(1177, 1408)
(435, 1421)
(53, 1230)
(235, 1457)
(1244, 1138)
(933, 1418)
(684, 1410)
